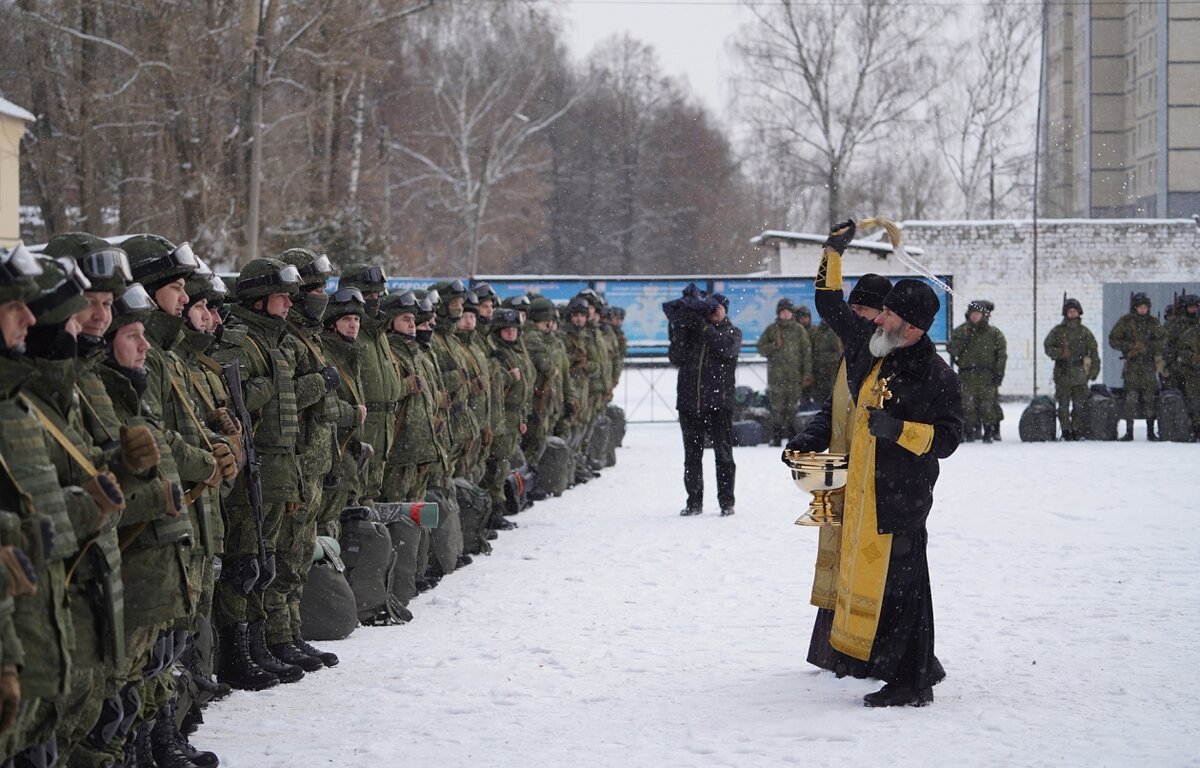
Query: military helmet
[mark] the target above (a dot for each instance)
(784, 303)
(471, 303)
(425, 305)
(133, 305)
(367, 278)
(314, 270)
(541, 309)
(199, 285)
(484, 291)
(155, 261)
(518, 302)
(450, 289)
(1189, 300)
(980, 305)
(405, 303)
(591, 297)
(1072, 303)
(19, 270)
(265, 276)
(505, 318)
(577, 305)
(1138, 299)
(60, 291)
(344, 301)
(105, 266)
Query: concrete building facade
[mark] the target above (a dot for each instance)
(12, 129)
(1121, 123)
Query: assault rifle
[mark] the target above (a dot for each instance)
(232, 374)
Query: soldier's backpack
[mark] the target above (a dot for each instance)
(327, 610)
(1039, 421)
(474, 511)
(517, 486)
(747, 433)
(1173, 422)
(554, 467)
(404, 521)
(1100, 415)
(616, 414)
(446, 540)
(597, 448)
(370, 558)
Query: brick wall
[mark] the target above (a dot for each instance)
(994, 260)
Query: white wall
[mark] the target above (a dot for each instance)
(994, 260)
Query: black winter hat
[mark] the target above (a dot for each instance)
(914, 301)
(870, 290)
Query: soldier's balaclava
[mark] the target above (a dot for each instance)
(308, 307)
(62, 286)
(134, 305)
(367, 278)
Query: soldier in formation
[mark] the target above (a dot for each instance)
(786, 346)
(826, 356)
(1138, 336)
(160, 430)
(980, 352)
(1183, 355)
(1076, 358)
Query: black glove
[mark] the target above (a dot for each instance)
(884, 425)
(840, 236)
(803, 443)
(333, 379)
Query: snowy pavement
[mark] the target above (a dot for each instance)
(608, 631)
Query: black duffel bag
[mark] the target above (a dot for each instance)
(327, 607)
(1039, 421)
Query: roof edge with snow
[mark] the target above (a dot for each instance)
(12, 110)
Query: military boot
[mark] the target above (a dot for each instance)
(139, 753)
(210, 690)
(1125, 438)
(238, 667)
(969, 433)
(987, 433)
(288, 653)
(327, 658)
(996, 432)
(1151, 435)
(287, 673)
(171, 748)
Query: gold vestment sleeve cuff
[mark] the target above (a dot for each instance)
(916, 437)
(829, 274)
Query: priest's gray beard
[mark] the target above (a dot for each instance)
(883, 341)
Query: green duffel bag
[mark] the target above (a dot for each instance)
(369, 556)
(1173, 421)
(616, 415)
(327, 610)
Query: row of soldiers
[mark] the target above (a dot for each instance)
(1155, 355)
(171, 448)
(802, 362)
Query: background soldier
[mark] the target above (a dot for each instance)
(343, 320)
(1076, 358)
(1138, 336)
(981, 354)
(548, 386)
(788, 350)
(506, 330)
(826, 355)
(1183, 353)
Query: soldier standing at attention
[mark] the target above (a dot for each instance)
(789, 363)
(1138, 336)
(826, 356)
(1184, 356)
(1076, 358)
(981, 354)
(264, 291)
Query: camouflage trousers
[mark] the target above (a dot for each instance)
(92, 675)
(293, 561)
(1071, 393)
(241, 540)
(1141, 393)
(784, 401)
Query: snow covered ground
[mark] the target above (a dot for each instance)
(608, 631)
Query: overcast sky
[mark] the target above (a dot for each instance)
(689, 35)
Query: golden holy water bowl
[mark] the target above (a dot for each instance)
(824, 476)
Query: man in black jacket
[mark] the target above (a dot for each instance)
(704, 346)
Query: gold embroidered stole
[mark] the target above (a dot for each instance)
(829, 538)
(863, 569)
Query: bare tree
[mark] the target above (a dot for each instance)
(976, 122)
(821, 82)
(486, 119)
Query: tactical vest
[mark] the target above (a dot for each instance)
(278, 427)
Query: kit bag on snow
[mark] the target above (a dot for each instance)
(554, 467)
(1100, 415)
(1173, 421)
(474, 511)
(1039, 421)
(370, 557)
(327, 607)
(747, 433)
(616, 414)
(404, 520)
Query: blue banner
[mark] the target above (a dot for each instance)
(645, 325)
(558, 291)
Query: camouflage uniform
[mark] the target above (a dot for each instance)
(547, 401)
(510, 355)
(786, 346)
(981, 354)
(346, 355)
(1183, 352)
(826, 356)
(1139, 339)
(1076, 358)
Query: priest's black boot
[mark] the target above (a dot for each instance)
(238, 668)
(287, 673)
(892, 695)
